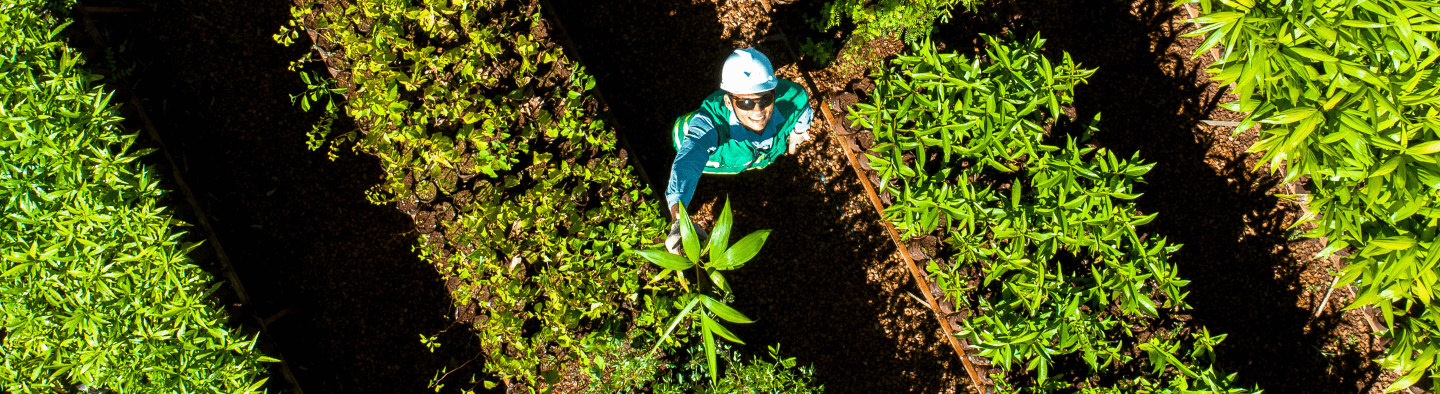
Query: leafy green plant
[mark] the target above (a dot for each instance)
(873, 19)
(706, 296)
(96, 288)
(962, 146)
(616, 367)
(317, 90)
(483, 125)
(761, 376)
(1347, 97)
(821, 52)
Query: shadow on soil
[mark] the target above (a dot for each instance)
(1236, 249)
(296, 226)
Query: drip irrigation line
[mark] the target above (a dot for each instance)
(226, 268)
(981, 384)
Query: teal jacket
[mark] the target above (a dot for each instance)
(705, 145)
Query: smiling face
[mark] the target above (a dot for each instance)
(760, 107)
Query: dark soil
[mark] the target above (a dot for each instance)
(296, 226)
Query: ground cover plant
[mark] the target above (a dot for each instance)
(1345, 94)
(98, 291)
(491, 139)
(963, 149)
(873, 19)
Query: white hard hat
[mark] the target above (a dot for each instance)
(747, 71)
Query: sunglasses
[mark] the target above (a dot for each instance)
(751, 104)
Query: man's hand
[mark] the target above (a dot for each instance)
(795, 140)
(675, 242)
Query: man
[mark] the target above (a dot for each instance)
(745, 125)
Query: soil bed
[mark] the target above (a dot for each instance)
(297, 227)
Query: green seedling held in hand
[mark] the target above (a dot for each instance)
(702, 301)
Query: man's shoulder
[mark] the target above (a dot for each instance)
(701, 120)
(787, 88)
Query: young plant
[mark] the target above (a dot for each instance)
(756, 375)
(706, 296)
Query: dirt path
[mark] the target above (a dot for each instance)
(296, 226)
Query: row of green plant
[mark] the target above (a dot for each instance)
(1347, 97)
(97, 292)
(471, 106)
(965, 148)
(466, 106)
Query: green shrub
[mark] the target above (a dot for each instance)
(618, 368)
(910, 19)
(97, 288)
(756, 375)
(961, 145)
(475, 113)
(1348, 96)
